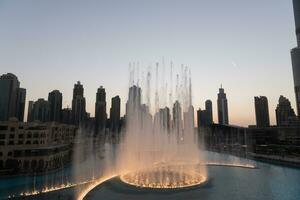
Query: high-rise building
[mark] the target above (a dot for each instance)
(12, 98)
(30, 111)
(41, 111)
(100, 110)
(261, 111)
(78, 105)
(177, 119)
(164, 118)
(115, 113)
(284, 112)
(133, 105)
(222, 107)
(205, 117)
(295, 54)
(202, 118)
(21, 100)
(55, 103)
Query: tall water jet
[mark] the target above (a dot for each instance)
(160, 149)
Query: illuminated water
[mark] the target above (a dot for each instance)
(266, 182)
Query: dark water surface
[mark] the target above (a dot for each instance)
(269, 182)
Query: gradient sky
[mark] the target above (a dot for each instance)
(245, 45)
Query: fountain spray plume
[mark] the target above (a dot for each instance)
(160, 149)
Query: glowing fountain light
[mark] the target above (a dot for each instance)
(163, 177)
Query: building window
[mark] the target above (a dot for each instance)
(11, 143)
(2, 143)
(9, 153)
(28, 142)
(35, 142)
(35, 135)
(11, 136)
(12, 129)
(2, 136)
(20, 142)
(29, 135)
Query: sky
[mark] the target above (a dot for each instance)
(243, 45)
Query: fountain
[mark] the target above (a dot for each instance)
(159, 148)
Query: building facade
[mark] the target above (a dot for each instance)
(285, 114)
(78, 105)
(295, 54)
(262, 111)
(12, 98)
(115, 114)
(34, 147)
(222, 107)
(55, 104)
(100, 110)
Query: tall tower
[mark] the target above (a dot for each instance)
(261, 111)
(209, 111)
(100, 110)
(55, 103)
(115, 113)
(295, 54)
(12, 97)
(222, 107)
(78, 104)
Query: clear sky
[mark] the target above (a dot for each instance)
(245, 45)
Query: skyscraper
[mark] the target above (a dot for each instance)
(284, 112)
(201, 118)
(134, 100)
(55, 103)
(261, 111)
(177, 120)
(209, 111)
(295, 54)
(205, 117)
(12, 97)
(41, 110)
(100, 110)
(78, 105)
(115, 113)
(21, 100)
(30, 111)
(222, 107)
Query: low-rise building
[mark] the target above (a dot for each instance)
(34, 147)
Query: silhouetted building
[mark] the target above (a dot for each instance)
(134, 99)
(284, 112)
(202, 118)
(78, 105)
(222, 107)
(100, 110)
(164, 118)
(205, 117)
(115, 113)
(66, 116)
(21, 100)
(209, 111)
(295, 54)
(30, 111)
(177, 119)
(262, 111)
(55, 103)
(12, 98)
(41, 111)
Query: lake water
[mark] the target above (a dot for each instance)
(267, 182)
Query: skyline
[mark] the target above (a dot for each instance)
(84, 49)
